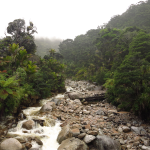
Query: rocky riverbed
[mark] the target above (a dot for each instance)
(72, 121)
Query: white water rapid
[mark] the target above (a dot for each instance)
(47, 133)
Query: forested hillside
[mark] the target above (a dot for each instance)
(116, 55)
(136, 15)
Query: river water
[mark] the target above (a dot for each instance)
(47, 133)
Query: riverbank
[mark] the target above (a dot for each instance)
(68, 121)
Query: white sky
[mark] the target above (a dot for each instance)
(61, 18)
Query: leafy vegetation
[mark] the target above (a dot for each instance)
(22, 79)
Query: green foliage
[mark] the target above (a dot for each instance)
(130, 85)
(30, 68)
(49, 78)
(101, 75)
(7, 86)
(9, 95)
(136, 15)
(25, 80)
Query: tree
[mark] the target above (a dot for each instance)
(22, 35)
(53, 54)
(131, 86)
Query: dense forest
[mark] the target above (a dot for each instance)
(24, 76)
(117, 56)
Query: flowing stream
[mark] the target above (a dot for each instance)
(47, 133)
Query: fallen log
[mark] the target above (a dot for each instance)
(94, 98)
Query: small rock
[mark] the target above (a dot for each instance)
(38, 141)
(100, 112)
(126, 129)
(88, 126)
(75, 132)
(81, 136)
(93, 133)
(28, 145)
(120, 129)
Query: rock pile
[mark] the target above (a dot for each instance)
(100, 122)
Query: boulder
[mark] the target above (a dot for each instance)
(73, 144)
(88, 138)
(138, 130)
(48, 107)
(74, 95)
(56, 101)
(28, 124)
(11, 144)
(103, 142)
(64, 134)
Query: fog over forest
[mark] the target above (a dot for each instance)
(44, 45)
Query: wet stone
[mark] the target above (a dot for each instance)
(28, 145)
(38, 141)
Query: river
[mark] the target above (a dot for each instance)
(47, 133)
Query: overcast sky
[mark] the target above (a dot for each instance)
(61, 18)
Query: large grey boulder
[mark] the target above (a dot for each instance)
(28, 124)
(103, 142)
(138, 130)
(56, 101)
(64, 134)
(73, 144)
(11, 144)
(48, 107)
(74, 95)
(88, 138)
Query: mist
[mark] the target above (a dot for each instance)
(44, 44)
